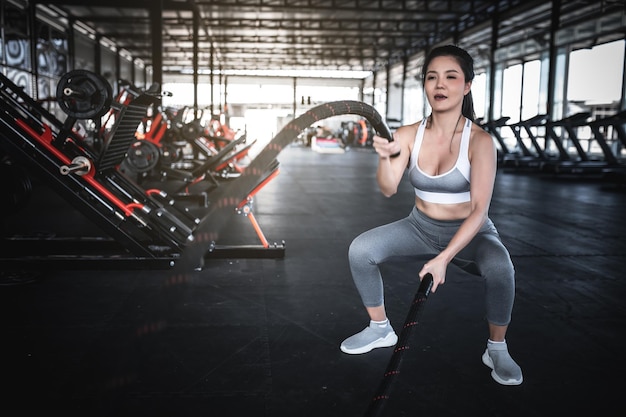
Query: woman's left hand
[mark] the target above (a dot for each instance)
(437, 268)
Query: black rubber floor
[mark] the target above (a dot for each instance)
(260, 337)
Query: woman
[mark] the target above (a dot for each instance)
(452, 165)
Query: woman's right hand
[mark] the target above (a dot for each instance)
(385, 148)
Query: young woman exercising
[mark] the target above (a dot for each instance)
(452, 166)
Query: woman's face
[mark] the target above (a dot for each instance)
(445, 84)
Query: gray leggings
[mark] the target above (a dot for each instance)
(420, 236)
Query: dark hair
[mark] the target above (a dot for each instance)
(466, 63)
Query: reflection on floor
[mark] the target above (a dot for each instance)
(260, 337)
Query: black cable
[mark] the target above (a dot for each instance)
(382, 394)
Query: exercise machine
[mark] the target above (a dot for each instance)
(505, 156)
(582, 162)
(143, 224)
(524, 131)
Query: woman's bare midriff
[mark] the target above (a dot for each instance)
(437, 211)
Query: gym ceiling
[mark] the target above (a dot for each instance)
(360, 35)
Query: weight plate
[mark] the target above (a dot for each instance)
(143, 156)
(169, 154)
(191, 131)
(83, 94)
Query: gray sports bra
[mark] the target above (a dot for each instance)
(450, 187)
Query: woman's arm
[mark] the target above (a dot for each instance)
(391, 169)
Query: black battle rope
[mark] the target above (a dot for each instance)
(225, 198)
(381, 396)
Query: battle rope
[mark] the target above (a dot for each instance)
(226, 197)
(393, 367)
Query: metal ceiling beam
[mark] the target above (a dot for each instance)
(118, 4)
(396, 27)
(354, 34)
(421, 9)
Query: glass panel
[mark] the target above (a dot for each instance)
(21, 79)
(108, 66)
(126, 69)
(413, 103)
(497, 92)
(84, 52)
(59, 43)
(543, 86)
(17, 48)
(530, 95)
(594, 84)
(512, 92)
(559, 84)
(140, 79)
(479, 94)
(51, 51)
(46, 94)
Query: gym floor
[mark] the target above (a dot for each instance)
(260, 337)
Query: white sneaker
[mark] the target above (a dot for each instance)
(372, 337)
(504, 369)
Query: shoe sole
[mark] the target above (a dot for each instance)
(487, 361)
(390, 340)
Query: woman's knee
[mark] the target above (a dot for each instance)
(494, 261)
(499, 268)
(360, 248)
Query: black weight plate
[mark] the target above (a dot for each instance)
(83, 94)
(143, 156)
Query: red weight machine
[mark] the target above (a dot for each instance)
(143, 228)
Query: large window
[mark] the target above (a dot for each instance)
(531, 89)
(52, 62)
(16, 46)
(595, 75)
(480, 94)
(520, 87)
(52, 53)
(263, 105)
(413, 103)
(84, 51)
(512, 92)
